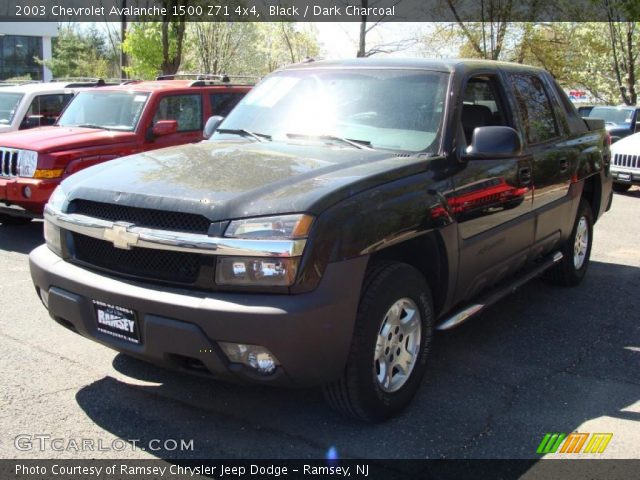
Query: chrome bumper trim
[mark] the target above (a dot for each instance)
(126, 235)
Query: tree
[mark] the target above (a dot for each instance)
(366, 27)
(485, 39)
(219, 46)
(173, 30)
(143, 48)
(157, 47)
(623, 37)
(78, 52)
(249, 48)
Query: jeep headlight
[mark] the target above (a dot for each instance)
(274, 270)
(27, 163)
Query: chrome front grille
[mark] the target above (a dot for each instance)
(9, 162)
(628, 161)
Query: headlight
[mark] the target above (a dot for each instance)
(264, 271)
(52, 234)
(273, 228)
(52, 237)
(28, 162)
(57, 199)
(275, 271)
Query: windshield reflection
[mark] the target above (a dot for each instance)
(383, 109)
(109, 110)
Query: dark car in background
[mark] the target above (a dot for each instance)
(619, 121)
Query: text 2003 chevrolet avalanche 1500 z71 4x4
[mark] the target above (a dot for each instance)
(340, 214)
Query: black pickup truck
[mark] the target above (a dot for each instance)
(336, 218)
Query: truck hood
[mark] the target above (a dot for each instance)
(48, 139)
(234, 179)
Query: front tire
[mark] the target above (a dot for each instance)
(390, 345)
(621, 187)
(577, 250)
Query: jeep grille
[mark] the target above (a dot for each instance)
(8, 162)
(629, 161)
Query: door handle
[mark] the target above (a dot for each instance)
(564, 165)
(524, 175)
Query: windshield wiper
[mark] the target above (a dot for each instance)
(88, 125)
(245, 133)
(361, 144)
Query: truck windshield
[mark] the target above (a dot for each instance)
(382, 109)
(8, 105)
(612, 114)
(109, 110)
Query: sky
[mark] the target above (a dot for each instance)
(340, 39)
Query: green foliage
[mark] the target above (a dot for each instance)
(577, 54)
(80, 52)
(248, 48)
(143, 45)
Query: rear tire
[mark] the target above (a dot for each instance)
(621, 187)
(390, 344)
(577, 250)
(10, 220)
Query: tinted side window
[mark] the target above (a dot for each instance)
(534, 107)
(186, 109)
(45, 110)
(481, 105)
(223, 103)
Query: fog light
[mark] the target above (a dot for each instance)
(252, 271)
(256, 357)
(26, 191)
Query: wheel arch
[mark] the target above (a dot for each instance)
(592, 193)
(428, 255)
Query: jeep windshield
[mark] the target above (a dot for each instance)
(612, 114)
(109, 110)
(381, 109)
(8, 104)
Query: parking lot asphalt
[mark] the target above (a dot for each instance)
(545, 359)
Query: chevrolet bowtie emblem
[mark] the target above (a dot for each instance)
(120, 236)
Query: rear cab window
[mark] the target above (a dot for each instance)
(534, 107)
(45, 110)
(482, 105)
(223, 102)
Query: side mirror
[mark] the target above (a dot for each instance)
(164, 127)
(493, 143)
(212, 124)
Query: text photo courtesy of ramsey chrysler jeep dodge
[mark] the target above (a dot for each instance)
(99, 125)
(337, 217)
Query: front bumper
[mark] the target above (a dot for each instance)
(310, 334)
(14, 201)
(625, 175)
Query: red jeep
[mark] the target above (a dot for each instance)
(101, 125)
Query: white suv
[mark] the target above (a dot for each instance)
(36, 104)
(625, 163)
